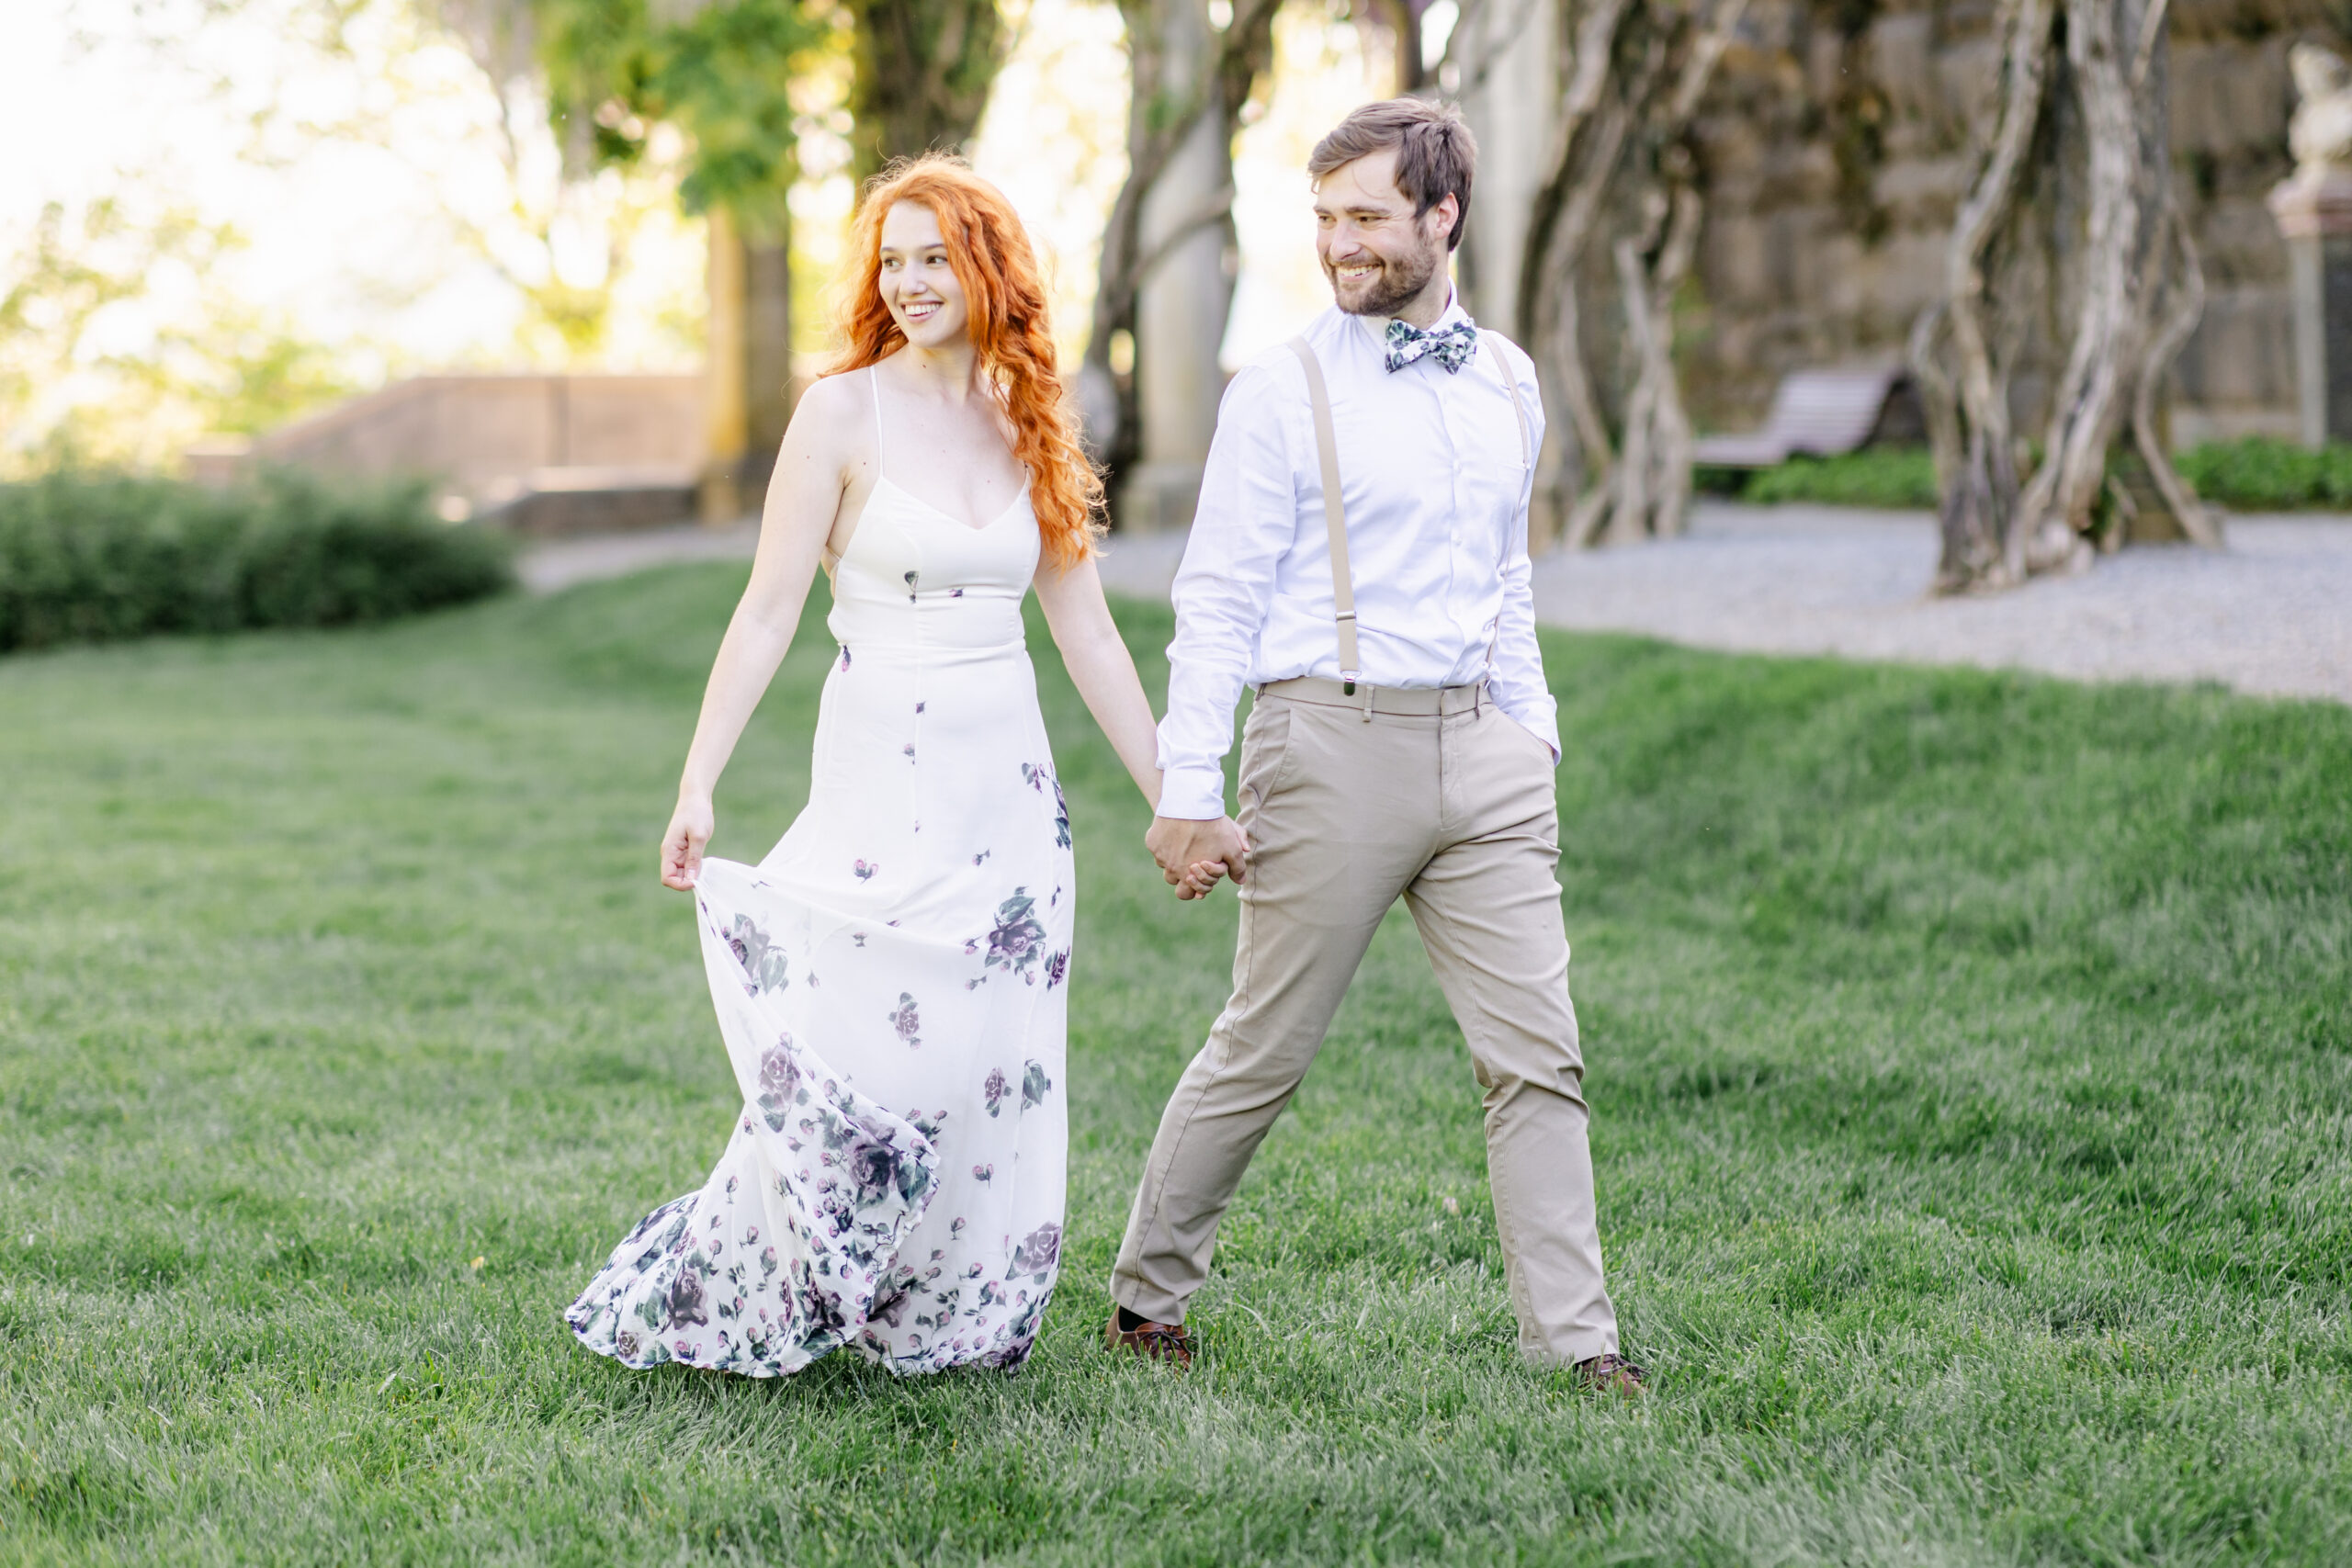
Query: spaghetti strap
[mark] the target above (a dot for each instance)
(830, 557)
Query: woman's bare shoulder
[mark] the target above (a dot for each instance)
(832, 403)
(832, 423)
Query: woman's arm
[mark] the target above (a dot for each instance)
(1102, 670)
(1104, 673)
(804, 501)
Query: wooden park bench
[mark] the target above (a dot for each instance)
(1820, 413)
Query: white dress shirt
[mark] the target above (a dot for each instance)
(1436, 482)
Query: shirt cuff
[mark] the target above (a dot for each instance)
(1193, 794)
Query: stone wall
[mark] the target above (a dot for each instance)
(1835, 152)
(487, 439)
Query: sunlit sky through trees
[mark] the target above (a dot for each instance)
(297, 210)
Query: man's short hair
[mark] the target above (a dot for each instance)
(1436, 154)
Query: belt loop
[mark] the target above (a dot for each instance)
(1367, 702)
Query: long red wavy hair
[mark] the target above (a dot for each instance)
(989, 253)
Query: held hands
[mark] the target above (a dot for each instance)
(1194, 856)
(681, 846)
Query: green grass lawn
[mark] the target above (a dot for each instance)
(1971, 1059)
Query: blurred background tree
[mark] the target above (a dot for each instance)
(1618, 214)
(69, 396)
(923, 69)
(1681, 201)
(1194, 66)
(735, 76)
(2070, 221)
(722, 72)
(140, 318)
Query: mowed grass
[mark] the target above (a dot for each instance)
(1971, 1059)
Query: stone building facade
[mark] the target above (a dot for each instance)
(1834, 151)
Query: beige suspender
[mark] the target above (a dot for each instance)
(1335, 513)
(1518, 403)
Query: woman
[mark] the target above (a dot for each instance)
(890, 980)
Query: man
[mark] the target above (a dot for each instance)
(1403, 741)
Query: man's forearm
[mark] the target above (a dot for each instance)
(1222, 593)
(1207, 667)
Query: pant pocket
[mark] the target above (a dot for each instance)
(1265, 754)
(1519, 735)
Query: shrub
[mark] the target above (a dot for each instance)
(2257, 473)
(88, 557)
(2261, 473)
(1876, 475)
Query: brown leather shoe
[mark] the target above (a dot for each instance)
(1611, 1374)
(1153, 1341)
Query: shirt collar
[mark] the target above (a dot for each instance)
(1379, 325)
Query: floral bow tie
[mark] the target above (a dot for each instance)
(1452, 348)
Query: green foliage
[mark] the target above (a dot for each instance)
(2261, 473)
(95, 556)
(262, 373)
(723, 74)
(2256, 473)
(1969, 1057)
(68, 269)
(1875, 475)
(216, 363)
(920, 75)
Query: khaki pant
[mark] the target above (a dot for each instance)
(1457, 813)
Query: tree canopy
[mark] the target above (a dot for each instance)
(722, 72)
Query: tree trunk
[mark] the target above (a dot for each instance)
(1622, 164)
(1651, 490)
(2082, 85)
(747, 392)
(1170, 98)
(922, 70)
(1402, 20)
(769, 392)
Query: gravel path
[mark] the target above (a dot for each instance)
(2270, 615)
(563, 562)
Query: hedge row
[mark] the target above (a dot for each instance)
(88, 556)
(2257, 473)
(1876, 475)
(2260, 473)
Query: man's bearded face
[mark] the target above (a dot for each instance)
(1376, 252)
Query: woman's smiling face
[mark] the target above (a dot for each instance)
(918, 286)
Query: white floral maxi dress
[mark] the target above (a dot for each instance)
(889, 983)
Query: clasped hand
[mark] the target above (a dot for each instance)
(1193, 855)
